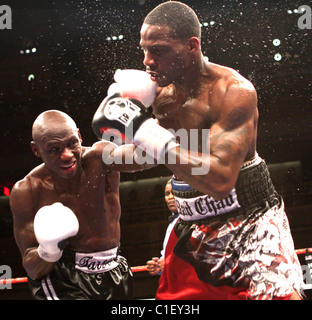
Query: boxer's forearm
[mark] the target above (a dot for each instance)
(204, 172)
(35, 267)
(128, 158)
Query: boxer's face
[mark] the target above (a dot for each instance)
(60, 149)
(165, 58)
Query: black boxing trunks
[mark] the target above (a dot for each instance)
(236, 248)
(103, 275)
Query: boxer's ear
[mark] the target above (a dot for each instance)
(79, 135)
(35, 149)
(193, 45)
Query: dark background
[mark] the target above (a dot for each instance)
(74, 64)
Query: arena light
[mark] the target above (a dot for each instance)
(28, 51)
(114, 38)
(31, 77)
(276, 42)
(277, 57)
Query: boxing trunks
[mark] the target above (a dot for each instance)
(236, 248)
(101, 275)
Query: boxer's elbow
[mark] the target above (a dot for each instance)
(221, 178)
(35, 267)
(220, 186)
(221, 191)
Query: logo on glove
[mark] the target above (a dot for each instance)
(122, 110)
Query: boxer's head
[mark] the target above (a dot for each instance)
(170, 39)
(57, 141)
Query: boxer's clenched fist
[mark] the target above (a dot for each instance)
(53, 225)
(127, 117)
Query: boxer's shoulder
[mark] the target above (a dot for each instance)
(231, 92)
(32, 179)
(93, 156)
(228, 80)
(23, 193)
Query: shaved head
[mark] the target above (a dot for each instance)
(57, 141)
(51, 119)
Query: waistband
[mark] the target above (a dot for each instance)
(92, 262)
(253, 186)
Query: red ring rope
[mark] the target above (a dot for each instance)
(133, 269)
(25, 279)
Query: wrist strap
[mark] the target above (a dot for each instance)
(47, 256)
(155, 140)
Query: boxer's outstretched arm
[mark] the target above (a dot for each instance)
(23, 210)
(124, 158)
(230, 139)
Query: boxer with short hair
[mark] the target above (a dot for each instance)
(66, 217)
(232, 240)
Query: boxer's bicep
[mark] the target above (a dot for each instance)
(232, 134)
(230, 146)
(22, 207)
(21, 203)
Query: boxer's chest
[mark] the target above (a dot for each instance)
(80, 195)
(190, 116)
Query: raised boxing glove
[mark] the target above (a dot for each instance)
(129, 119)
(122, 118)
(53, 225)
(134, 84)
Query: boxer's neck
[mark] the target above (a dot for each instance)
(70, 185)
(190, 81)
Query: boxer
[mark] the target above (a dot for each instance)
(66, 215)
(232, 240)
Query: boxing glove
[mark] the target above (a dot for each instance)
(135, 84)
(129, 119)
(53, 225)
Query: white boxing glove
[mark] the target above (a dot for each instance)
(134, 84)
(54, 224)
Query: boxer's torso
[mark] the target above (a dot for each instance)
(93, 196)
(201, 108)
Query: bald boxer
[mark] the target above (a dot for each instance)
(66, 217)
(232, 240)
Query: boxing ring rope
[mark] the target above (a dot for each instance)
(133, 269)
(25, 279)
